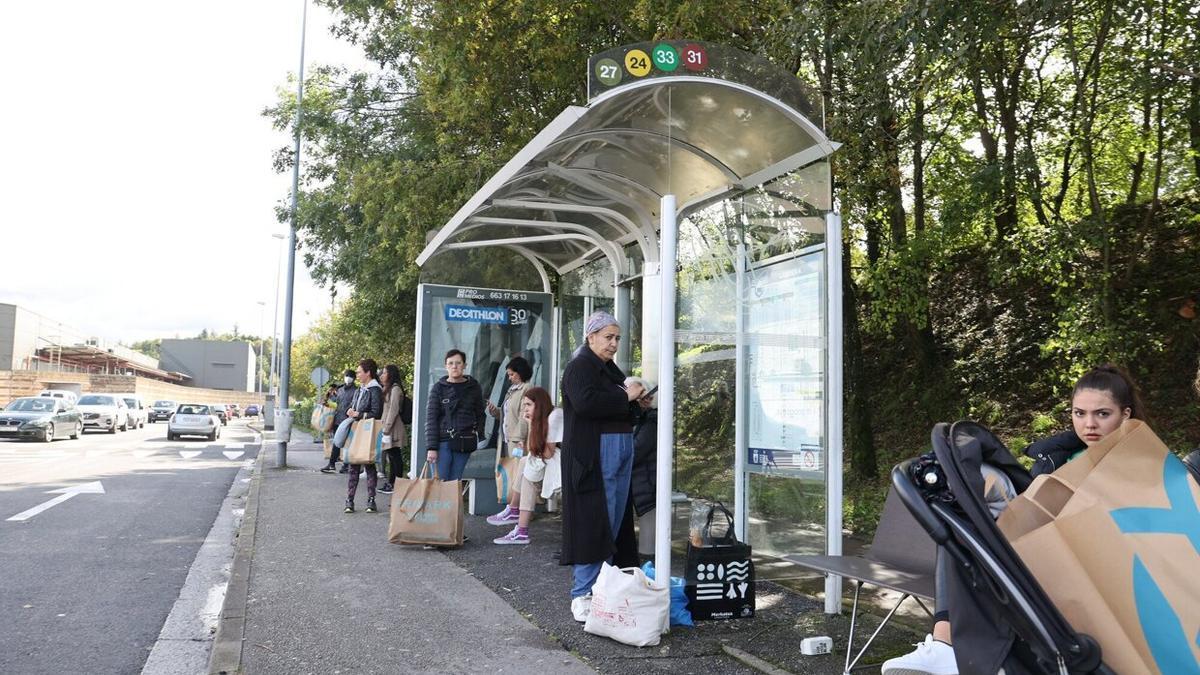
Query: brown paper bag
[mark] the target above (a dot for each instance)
(315, 420)
(1120, 556)
(365, 440)
(328, 447)
(427, 510)
(508, 477)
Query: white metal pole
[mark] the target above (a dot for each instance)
(740, 515)
(275, 321)
(262, 342)
(833, 404)
(420, 389)
(668, 240)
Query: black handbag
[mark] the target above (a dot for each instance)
(719, 576)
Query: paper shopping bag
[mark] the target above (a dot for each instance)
(628, 607)
(325, 420)
(327, 447)
(315, 420)
(508, 478)
(366, 437)
(426, 510)
(1120, 555)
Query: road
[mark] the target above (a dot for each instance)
(87, 583)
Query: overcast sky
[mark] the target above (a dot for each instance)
(136, 189)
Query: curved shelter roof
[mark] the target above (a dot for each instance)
(590, 183)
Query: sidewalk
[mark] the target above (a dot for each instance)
(326, 593)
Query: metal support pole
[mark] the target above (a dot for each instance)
(833, 404)
(286, 368)
(669, 241)
(740, 514)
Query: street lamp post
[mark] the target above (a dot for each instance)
(285, 370)
(262, 343)
(275, 319)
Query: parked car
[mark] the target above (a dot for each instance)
(194, 419)
(219, 410)
(235, 410)
(252, 410)
(64, 394)
(137, 410)
(104, 411)
(41, 418)
(161, 410)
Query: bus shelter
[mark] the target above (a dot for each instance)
(691, 196)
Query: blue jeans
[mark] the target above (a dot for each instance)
(450, 464)
(616, 463)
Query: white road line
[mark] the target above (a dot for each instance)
(185, 641)
(63, 495)
(142, 454)
(189, 454)
(233, 455)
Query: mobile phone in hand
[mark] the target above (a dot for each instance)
(648, 394)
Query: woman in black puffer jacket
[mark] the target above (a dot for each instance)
(368, 405)
(454, 418)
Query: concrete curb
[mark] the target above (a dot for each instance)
(753, 661)
(226, 658)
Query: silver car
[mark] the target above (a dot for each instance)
(193, 419)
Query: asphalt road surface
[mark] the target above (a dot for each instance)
(86, 584)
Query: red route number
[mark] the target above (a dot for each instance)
(694, 57)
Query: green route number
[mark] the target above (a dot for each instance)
(608, 72)
(666, 58)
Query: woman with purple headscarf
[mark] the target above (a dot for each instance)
(597, 457)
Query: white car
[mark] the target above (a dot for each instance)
(193, 419)
(137, 410)
(65, 394)
(104, 411)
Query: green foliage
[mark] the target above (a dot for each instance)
(1019, 183)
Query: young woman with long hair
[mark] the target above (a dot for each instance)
(538, 468)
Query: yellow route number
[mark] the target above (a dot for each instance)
(637, 62)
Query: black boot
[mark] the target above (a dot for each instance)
(328, 468)
(349, 505)
(371, 505)
(345, 468)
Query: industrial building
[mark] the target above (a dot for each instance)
(211, 364)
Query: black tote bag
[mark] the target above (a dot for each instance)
(719, 577)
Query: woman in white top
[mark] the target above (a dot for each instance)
(537, 462)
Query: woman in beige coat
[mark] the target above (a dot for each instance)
(394, 434)
(513, 423)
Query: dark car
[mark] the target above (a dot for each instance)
(40, 418)
(161, 410)
(220, 411)
(252, 410)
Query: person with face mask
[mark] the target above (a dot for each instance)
(598, 412)
(344, 397)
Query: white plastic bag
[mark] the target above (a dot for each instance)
(627, 607)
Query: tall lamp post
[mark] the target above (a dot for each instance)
(286, 370)
(262, 344)
(275, 319)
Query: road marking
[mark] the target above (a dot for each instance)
(189, 454)
(93, 488)
(233, 455)
(142, 454)
(96, 453)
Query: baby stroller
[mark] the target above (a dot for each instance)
(1000, 616)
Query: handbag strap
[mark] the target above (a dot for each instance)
(730, 537)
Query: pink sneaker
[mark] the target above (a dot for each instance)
(506, 517)
(514, 537)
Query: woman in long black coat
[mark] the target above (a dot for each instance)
(597, 459)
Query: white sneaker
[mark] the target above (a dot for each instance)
(581, 607)
(929, 658)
